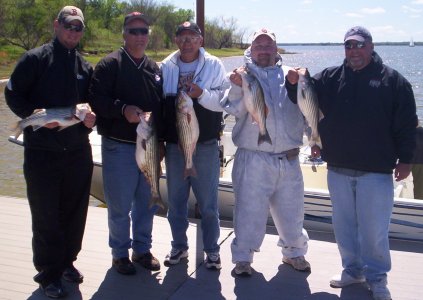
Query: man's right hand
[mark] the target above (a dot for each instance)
(293, 76)
(132, 113)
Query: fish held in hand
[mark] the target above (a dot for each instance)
(147, 155)
(308, 104)
(63, 116)
(255, 104)
(188, 130)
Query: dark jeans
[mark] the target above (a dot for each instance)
(58, 186)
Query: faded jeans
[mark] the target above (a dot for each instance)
(127, 194)
(362, 208)
(204, 186)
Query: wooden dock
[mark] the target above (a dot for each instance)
(191, 280)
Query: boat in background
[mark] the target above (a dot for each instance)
(407, 215)
(411, 42)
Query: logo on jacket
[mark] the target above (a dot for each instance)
(375, 83)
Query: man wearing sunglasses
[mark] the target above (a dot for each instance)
(125, 84)
(57, 163)
(201, 75)
(372, 106)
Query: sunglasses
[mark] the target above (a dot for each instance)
(358, 45)
(71, 27)
(138, 31)
(189, 39)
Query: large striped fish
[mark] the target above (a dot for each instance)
(255, 104)
(64, 116)
(147, 155)
(308, 104)
(188, 130)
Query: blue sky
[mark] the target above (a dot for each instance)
(320, 20)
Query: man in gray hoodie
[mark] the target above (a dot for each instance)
(266, 173)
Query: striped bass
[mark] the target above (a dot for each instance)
(188, 130)
(308, 104)
(64, 116)
(147, 155)
(255, 104)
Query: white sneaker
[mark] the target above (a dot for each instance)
(344, 279)
(299, 263)
(243, 268)
(379, 290)
(175, 256)
(213, 261)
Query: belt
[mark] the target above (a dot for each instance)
(288, 154)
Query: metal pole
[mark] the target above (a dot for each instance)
(200, 15)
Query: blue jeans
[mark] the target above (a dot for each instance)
(127, 194)
(204, 186)
(362, 208)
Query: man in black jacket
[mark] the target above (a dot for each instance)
(372, 107)
(125, 84)
(57, 163)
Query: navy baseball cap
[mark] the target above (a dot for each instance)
(191, 26)
(135, 15)
(358, 33)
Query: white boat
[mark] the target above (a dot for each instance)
(411, 42)
(407, 216)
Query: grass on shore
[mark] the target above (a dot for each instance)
(9, 55)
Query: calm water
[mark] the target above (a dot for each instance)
(407, 60)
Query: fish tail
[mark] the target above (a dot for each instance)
(16, 129)
(264, 138)
(190, 172)
(156, 200)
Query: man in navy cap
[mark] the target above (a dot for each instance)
(371, 106)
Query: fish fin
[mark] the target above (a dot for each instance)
(264, 138)
(16, 129)
(144, 144)
(266, 110)
(321, 116)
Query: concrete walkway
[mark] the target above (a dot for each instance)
(190, 279)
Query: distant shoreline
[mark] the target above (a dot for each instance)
(339, 44)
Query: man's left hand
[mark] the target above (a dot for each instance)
(194, 91)
(89, 120)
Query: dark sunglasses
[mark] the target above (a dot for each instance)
(71, 27)
(138, 31)
(358, 45)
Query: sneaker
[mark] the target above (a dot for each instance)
(379, 290)
(345, 279)
(54, 289)
(147, 260)
(124, 266)
(298, 263)
(243, 268)
(72, 274)
(175, 256)
(213, 261)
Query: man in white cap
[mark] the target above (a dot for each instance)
(266, 173)
(57, 163)
(373, 107)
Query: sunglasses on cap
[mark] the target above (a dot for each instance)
(348, 45)
(138, 31)
(71, 27)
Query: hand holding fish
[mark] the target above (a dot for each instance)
(194, 91)
(293, 76)
(235, 76)
(89, 120)
(132, 113)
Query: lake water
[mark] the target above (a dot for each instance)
(407, 60)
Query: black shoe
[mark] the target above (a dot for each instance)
(54, 290)
(124, 266)
(39, 277)
(147, 260)
(71, 274)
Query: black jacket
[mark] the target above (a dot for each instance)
(118, 81)
(46, 77)
(369, 117)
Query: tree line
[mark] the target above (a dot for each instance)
(28, 23)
